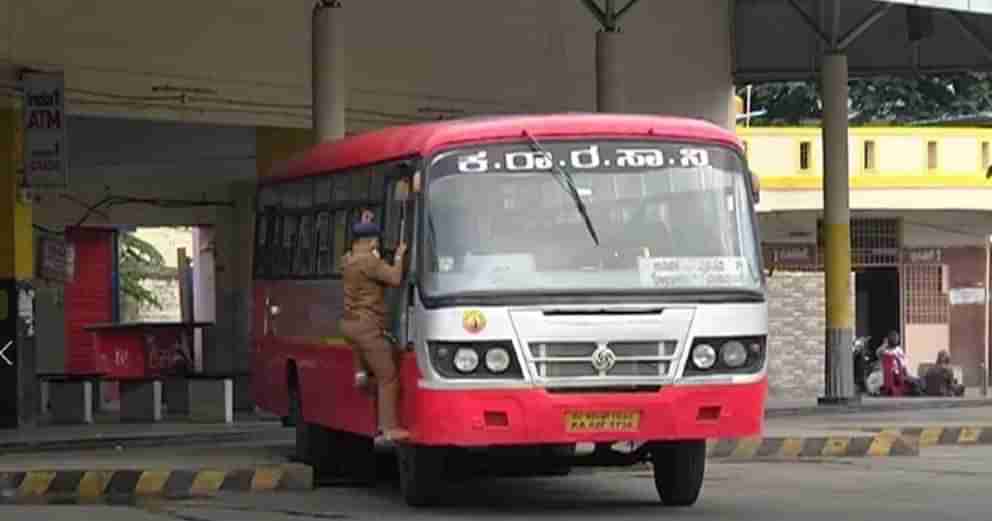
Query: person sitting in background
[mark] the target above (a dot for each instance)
(939, 379)
(893, 347)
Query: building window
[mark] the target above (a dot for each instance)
(926, 300)
(932, 155)
(869, 153)
(804, 155)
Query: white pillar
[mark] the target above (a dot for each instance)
(837, 231)
(329, 89)
(609, 72)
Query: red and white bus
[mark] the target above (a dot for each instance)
(581, 289)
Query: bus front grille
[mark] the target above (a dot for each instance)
(562, 361)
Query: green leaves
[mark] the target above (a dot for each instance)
(878, 100)
(140, 260)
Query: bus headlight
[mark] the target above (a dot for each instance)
(733, 354)
(703, 356)
(466, 360)
(715, 356)
(497, 360)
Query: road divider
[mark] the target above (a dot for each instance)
(943, 435)
(881, 444)
(124, 485)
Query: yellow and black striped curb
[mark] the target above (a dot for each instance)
(171, 484)
(792, 448)
(932, 436)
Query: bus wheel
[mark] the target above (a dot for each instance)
(421, 471)
(678, 471)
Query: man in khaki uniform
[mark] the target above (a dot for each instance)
(363, 322)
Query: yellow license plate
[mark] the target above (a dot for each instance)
(602, 421)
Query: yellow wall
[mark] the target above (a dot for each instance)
(16, 248)
(900, 157)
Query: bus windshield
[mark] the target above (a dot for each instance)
(669, 217)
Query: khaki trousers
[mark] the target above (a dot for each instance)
(373, 353)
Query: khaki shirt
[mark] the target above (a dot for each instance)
(365, 277)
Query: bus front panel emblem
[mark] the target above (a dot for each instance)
(603, 359)
(474, 321)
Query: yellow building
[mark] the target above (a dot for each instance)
(921, 209)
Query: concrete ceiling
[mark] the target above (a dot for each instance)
(782, 39)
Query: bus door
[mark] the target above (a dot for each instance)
(400, 225)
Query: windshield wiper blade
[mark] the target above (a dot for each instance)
(564, 178)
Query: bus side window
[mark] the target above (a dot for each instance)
(303, 258)
(322, 233)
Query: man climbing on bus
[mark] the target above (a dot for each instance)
(366, 276)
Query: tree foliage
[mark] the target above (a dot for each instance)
(139, 261)
(878, 100)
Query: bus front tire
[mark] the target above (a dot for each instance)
(421, 470)
(679, 468)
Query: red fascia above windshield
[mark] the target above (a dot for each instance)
(423, 139)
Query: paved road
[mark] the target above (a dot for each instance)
(944, 483)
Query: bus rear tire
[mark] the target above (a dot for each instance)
(421, 469)
(679, 468)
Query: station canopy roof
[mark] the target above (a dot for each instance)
(778, 40)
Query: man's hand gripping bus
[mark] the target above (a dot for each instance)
(582, 290)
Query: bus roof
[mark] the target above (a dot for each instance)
(422, 139)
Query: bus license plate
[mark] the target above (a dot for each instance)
(602, 421)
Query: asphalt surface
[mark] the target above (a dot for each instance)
(947, 483)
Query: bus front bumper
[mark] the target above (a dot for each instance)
(479, 418)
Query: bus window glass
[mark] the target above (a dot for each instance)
(262, 223)
(303, 259)
(322, 191)
(341, 188)
(323, 246)
(377, 186)
(301, 194)
(341, 238)
(290, 227)
(360, 185)
(668, 216)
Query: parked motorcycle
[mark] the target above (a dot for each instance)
(867, 367)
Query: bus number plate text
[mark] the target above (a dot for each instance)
(627, 421)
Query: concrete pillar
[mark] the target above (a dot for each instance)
(17, 367)
(329, 89)
(837, 232)
(609, 72)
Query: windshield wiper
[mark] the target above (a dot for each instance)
(564, 179)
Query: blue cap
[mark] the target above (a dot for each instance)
(364, 230)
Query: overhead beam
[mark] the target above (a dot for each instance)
(625, 8)
(973, 34)
(862, 26)
(597, 13)
(810, 22)
(608, 16)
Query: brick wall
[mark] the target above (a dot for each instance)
(796, 333)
